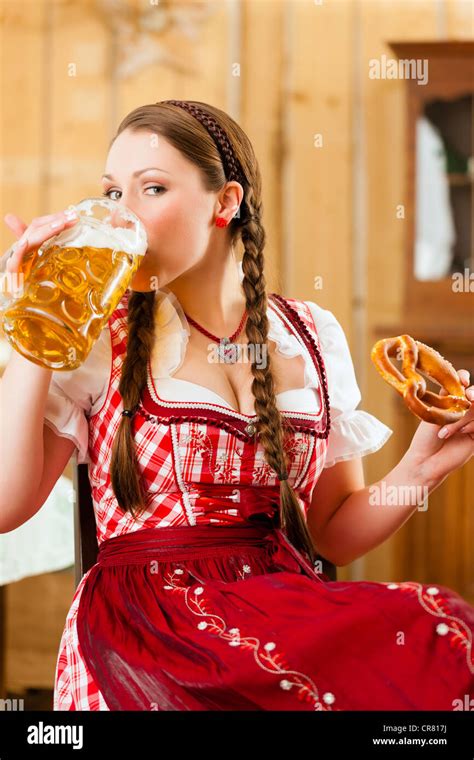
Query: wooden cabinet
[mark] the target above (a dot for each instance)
(437, 545)
(447, 99)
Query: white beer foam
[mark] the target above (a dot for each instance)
(119, 238)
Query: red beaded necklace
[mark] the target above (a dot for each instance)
(228, 351)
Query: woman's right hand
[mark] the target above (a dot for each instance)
(33, 236)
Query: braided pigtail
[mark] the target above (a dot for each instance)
(270, 421)
(125, 475)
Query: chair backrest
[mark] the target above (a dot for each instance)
(85, 539)
(328, 568)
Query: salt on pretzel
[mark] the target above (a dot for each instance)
(428, 406)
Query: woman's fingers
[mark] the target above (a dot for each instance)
(461, 426)
(467, 427)
(466, 423)
(464, 377)
(16, 224)
(14, 260)
(40, 230)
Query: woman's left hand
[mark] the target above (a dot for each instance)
(438, 457)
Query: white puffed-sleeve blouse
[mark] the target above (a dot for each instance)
(76, 395)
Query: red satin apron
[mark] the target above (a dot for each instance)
(140, 639)
(232, 617)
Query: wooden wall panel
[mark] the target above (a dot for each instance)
(317, 202)
(22, 136)
(78, 113)
(459, 19)
(383, 107)
(23, 131)
(465, 545)
(262, 111)
(37, 609)
(198, 70)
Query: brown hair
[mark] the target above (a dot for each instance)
(185, 132)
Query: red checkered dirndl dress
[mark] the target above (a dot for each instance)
(203, 603)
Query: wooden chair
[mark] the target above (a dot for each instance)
(85, 541)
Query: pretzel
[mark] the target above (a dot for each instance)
(428, 406)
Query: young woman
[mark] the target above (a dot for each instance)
(222, 473)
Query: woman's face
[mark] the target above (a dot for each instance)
(147, 174)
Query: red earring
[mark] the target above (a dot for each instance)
(221, 222)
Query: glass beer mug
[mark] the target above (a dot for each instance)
(71, 285)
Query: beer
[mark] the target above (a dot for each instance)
(70, 292)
